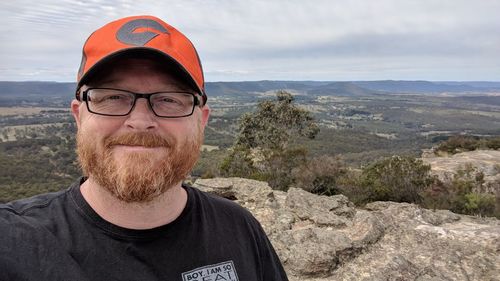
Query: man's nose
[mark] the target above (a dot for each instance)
(142, 117)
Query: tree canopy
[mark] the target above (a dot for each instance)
(262, 148)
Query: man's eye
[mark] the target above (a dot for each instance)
(108, 98)
(168, 100)
(114, 97)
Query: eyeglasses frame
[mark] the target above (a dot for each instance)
(84, 97)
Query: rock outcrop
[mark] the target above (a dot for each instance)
(321, 238)
(484, 161)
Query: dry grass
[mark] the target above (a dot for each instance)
(209, 147)
(5, 111)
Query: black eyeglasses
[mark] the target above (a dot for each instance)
(117, 102)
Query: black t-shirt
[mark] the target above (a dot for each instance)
(58, 236)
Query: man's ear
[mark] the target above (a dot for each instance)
(205, 113)
(75, 111)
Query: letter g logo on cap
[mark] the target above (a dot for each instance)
(127, 35)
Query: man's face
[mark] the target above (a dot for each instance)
(139, 156)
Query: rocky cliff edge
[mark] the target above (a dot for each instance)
(321, 238)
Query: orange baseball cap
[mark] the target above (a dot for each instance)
(141, 34)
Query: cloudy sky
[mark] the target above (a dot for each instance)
(239, 40)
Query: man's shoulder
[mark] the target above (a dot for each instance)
(28, 219)
(33, 209)
(37, 202)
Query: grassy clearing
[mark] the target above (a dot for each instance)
(8, 133)
(452, 112)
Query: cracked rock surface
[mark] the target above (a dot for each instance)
(321, 238)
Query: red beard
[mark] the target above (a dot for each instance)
(141, 176)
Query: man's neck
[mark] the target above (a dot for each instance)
(160, 211)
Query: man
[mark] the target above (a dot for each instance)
(140, 109)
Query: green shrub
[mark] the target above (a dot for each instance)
(238, 163)
(397, 178)
(276, 167)
(209, 162)
(456, 144)
(321, 175)
(461, 194)
(479, 204)
(493, 143)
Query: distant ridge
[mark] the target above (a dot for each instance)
(36, 92)
(352, 88)
(223, 88)
(16, 92)
(36, 88)
(341, 89)
(422, 86)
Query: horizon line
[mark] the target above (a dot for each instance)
(309, 80)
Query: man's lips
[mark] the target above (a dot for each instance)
(138, 141)
(136, 147)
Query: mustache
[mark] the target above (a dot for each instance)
(139, 139)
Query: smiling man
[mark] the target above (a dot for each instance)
(141, 110)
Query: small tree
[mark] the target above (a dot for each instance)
(275, 123)
(262, 147)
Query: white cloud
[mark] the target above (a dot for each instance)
(273, 39)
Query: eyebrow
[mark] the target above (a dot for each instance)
(182, 86)
(177, 88)
(103, 82)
